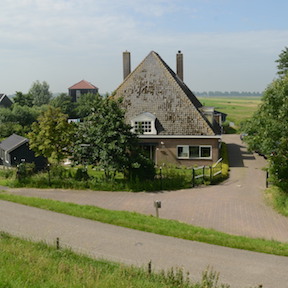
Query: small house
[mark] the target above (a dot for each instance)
(81, 88)
(15, 150)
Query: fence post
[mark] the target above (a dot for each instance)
(203, 174)
(267, 177)
(193, 177)
(211, 173)
(150, 267)
(57, 243)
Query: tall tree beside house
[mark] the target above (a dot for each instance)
(104, 139)
(40, 93)
(282, 62)
(52, 136)
(85, 104)
(267, 130)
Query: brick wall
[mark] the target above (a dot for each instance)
(166, 151)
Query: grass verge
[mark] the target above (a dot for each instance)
(278, 199)
(27, 264)
(154, 225)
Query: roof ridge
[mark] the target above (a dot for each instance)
(84, 81)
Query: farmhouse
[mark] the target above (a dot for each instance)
(15, 150)
(173, 126)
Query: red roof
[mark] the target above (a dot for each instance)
(83, 85)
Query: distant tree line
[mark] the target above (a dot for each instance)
(228, 94)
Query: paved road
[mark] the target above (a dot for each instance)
(237, 207)
(239, 268)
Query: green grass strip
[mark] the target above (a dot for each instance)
(152, 224)
(26, 264)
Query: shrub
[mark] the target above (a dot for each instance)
(7, 173)
(141, 168)
(81, 174)
(25, 170)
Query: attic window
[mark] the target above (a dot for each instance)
(144, 123)
(142, 126)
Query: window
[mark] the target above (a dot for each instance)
(78, 94)
(183, 151)
(142, 126)
(144, 123)
(194, 152)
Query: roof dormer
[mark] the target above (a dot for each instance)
(144, 123)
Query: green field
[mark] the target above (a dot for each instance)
(238, 109)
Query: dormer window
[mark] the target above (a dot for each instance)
(142, 126)
(144, 123)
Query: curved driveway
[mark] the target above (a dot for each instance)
(236, 206)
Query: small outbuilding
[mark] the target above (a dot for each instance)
(81, 88)
(15, 150)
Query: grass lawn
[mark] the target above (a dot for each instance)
(238, 109)
(154, 225)
(26, 264)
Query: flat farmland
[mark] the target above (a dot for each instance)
(237, 109)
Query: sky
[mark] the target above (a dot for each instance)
(228, 45)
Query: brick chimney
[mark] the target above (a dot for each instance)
(179, 65)
(126, 64)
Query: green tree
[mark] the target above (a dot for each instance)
(85, 104)
(105, 139)
(23, 99)
(8, 128)
(40, 93)
(24, 115)
(64, 102)
(283, 62)
(6, 115)
(267, 130)
(52, 136)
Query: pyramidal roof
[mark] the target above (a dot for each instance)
(83, 84)
(155, 88)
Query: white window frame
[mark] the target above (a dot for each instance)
(148, 121)
(143, 126)
(187, 151)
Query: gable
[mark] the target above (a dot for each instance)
(12, 142)
(153, 87)
(5, 101)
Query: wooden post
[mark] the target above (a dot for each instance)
(203, 175)
(193, 177)
(211, 173)
(161, 179)
(57, 243)
(150, 267)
